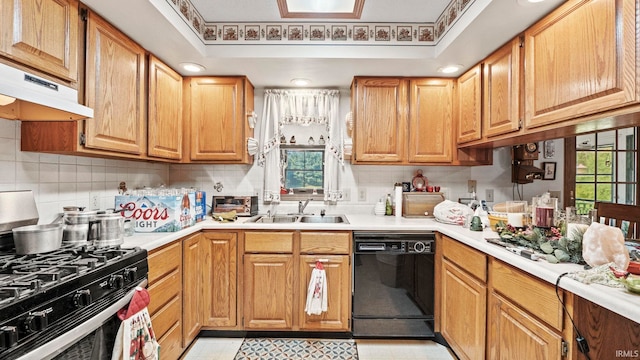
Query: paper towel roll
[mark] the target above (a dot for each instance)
(398, 197)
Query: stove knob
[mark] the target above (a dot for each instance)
(131, 274)
(116, 282)
(8, 336)
(82, 298)
(36, 321)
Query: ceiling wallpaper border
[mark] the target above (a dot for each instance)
(320, 33)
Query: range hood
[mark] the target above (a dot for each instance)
(24, 96)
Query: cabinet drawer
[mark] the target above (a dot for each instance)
(465, 257)
(164, 289)
(167, 316)
(325, 242)
(164, 260)
(530, 293)
(170, 347)
(268, 242)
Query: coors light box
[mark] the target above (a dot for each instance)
(162, 213)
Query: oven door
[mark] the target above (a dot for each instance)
(94, 339)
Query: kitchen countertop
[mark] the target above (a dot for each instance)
(617, 300)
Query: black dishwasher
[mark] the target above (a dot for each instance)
(393, 284)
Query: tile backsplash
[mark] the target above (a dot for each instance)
(61, 180)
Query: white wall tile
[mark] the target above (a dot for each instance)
(27, 172)
(8, 149)
(68, 173)
(7, 172)
(49, 173)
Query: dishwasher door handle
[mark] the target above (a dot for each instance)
(371, 247)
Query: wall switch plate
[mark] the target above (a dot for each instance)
(488, 195)
(362, 194)
(471, 184)
(95, 202)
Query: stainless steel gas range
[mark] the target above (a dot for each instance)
(63, 303)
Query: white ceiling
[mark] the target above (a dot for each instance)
(485, 26)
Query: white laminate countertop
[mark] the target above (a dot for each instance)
(617, 300)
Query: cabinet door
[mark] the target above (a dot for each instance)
(194, 255)
(512, 332)
(380, 120)
(469, 105)
(217, 119)
(501, 89)
(463, 309)
(114, 89)
(338, 293)
(581, 59)
(41, 34)
(268, 291)
(165, 111)
(165, 291)
(220, 281)
(430, 121)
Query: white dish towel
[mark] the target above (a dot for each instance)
(317, 291)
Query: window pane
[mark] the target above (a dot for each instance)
(627, 139)
(586, 142)
(583, 207)
(294, 179)
(605, 164)
(626, 166)
(313, 179)
(604, 192)
(626, 193)
(585, 192)
(585, 162)
(295, 160)
(313, 160)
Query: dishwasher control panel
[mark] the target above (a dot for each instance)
(394, 243)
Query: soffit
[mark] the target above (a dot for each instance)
(392, 38)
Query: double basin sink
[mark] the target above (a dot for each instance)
(327, 219)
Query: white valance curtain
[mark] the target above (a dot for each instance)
(300, 107)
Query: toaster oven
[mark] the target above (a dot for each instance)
(243, 205)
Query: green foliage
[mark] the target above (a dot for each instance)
(548, 241)
(304, 169)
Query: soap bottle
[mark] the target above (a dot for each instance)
(388, 208)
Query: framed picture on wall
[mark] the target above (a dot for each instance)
(549, 170)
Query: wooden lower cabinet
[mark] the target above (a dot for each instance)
(463, 316)
(463, 305)
(165, 290)
(192, 286)
(220, 279)
(277, 270)
(338, 293)
(609, 335)
(513, 333)
(268, 291)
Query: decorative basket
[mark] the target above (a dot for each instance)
(496, 217)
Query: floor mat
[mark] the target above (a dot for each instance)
(278, 349)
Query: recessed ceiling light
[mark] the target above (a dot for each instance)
(192, 67)
(300, 82)
(449, 69)
(6, 100)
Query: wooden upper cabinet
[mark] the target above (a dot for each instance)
(581, 59)
(431, 112)
(115, 89)
(165, 111)
(502, 75)
(217, 112)
(470, 105)
(380, 120)
(42, 35)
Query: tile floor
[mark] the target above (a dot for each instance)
(209, 348)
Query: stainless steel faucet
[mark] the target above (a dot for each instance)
(302, 206)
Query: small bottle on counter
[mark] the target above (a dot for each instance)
(388, 208)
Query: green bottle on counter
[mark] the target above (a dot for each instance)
(388, 210)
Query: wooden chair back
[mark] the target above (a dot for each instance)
(625, 217)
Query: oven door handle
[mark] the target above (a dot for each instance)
(61, 343)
